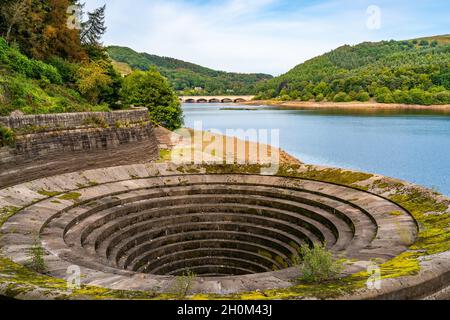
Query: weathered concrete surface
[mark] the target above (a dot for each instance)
(59, 121)
(56, 144)
(126, 227)
(76, 231)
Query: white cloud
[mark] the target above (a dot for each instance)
(241, 36)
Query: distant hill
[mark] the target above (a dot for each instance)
(412, 71)
(185, 76)
(443, 39)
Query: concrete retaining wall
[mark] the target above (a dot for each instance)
(69, 142)
(73, 120)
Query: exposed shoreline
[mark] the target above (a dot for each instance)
(166, 140)
(347, 105)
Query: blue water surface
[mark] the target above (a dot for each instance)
(410, 145)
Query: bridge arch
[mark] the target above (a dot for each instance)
(202, 100)
(227, 100)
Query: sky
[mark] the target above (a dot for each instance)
(267, 36)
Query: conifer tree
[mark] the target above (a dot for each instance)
(94, 28)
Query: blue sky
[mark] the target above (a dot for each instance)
(270, 36)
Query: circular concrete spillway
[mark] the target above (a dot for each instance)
(140, 227)
(222, 225)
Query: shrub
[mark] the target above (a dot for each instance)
(362, 96)
(151, 90)
(31, 68)
(294, 95)
(67, 70)
(342, 97)
(318, 264)
(183, 284)
(441, 97)
(400, 96)
(6, 136)
(418, 96)
(384, 95)
(320, 97)
(93, 79)
(307, 96)
(96, 121)
(36, 256)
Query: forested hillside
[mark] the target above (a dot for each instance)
(48, 67)
(52, 61)
(411, 72)
(185, 76)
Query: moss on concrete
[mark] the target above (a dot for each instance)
(72, 196)
(49, 194)
(6, 213)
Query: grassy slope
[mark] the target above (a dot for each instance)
(185, 75)
(34, 87)
(17, 92)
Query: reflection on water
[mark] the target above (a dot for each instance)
(409, 144)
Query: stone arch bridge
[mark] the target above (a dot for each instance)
(215, 99)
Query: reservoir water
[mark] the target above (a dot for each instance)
(410, 145)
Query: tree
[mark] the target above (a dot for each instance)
(342, 97)
(40, 28)
(93, 79)
(13, 13)
(151, 90)
(362, 96)
(94, 28)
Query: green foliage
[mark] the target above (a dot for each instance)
(183, 284)
(96, 121)
(92, 79)
(66, 69)
(149, 89)
(30, 68)
(36, 255)
(410, 72)
(35, 87)
(362, 97)
(185, 77)
(342, 97)
(320, 97)
(40, 28)
(6, 136)
(39, 97)
(318, 264)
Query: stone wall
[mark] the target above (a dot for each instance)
(73, 120)
(53, 144)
